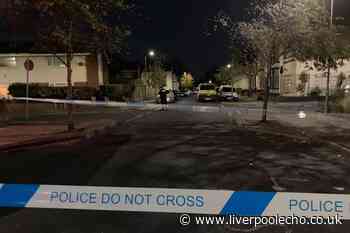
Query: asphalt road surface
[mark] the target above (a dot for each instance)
(172, 149)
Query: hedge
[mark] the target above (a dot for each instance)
(118, 92)
(113, 92)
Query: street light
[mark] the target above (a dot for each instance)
(229, 66)
(151, 53)
(332, 11)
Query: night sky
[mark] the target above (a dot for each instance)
(178, 28)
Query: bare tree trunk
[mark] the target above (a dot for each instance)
(70, 92)
(69, 56)
(267, 94)
(326, 107)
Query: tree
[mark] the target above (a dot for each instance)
(267, 35)
(243, 56)
(228, 75)
(282, 28)
(175, 64)
(70, 26)
(186, 81)
(325, 47)
(155, 78)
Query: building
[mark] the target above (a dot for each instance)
(244, 83)
(88, 70)
(241, 82)
(286, 78)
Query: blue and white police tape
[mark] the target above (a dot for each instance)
(213, 202)
(149, 106)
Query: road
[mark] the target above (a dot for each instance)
(173, 149)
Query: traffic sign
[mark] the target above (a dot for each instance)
(29, 65)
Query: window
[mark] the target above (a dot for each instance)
(55, 61)
(227, 89)
(8, 62)
(207, 87)
(275, 79)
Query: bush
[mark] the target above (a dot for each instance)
(118, 92)
(113, 92)
(340, 103)
(84, 93)
(315, 92)
(37, 91)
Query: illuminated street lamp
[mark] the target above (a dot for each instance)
(229, 66)
(151, 54)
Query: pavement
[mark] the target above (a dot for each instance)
(46, 128)
(176, 149)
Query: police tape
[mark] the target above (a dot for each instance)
(211, 202)
(221, 108)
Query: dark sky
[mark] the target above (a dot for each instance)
(178, 28)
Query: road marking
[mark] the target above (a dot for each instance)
(214, 202)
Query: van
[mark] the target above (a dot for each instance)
(206, 92)
(228, 93)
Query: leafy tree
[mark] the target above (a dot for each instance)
(186, 81)
(154, 79)
(324, 46)
(244, 58)
(70, 26)
(228, 75)
(281, 28)
(269, 36)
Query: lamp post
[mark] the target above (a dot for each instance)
(229, 66)
(151, 53)
(332, 11)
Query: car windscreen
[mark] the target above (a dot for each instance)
(207, 87)
(227, 89)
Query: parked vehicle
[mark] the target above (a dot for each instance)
(188, 93)
(228, 93)
(206, 92)
(170, 97)
(180, 94)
